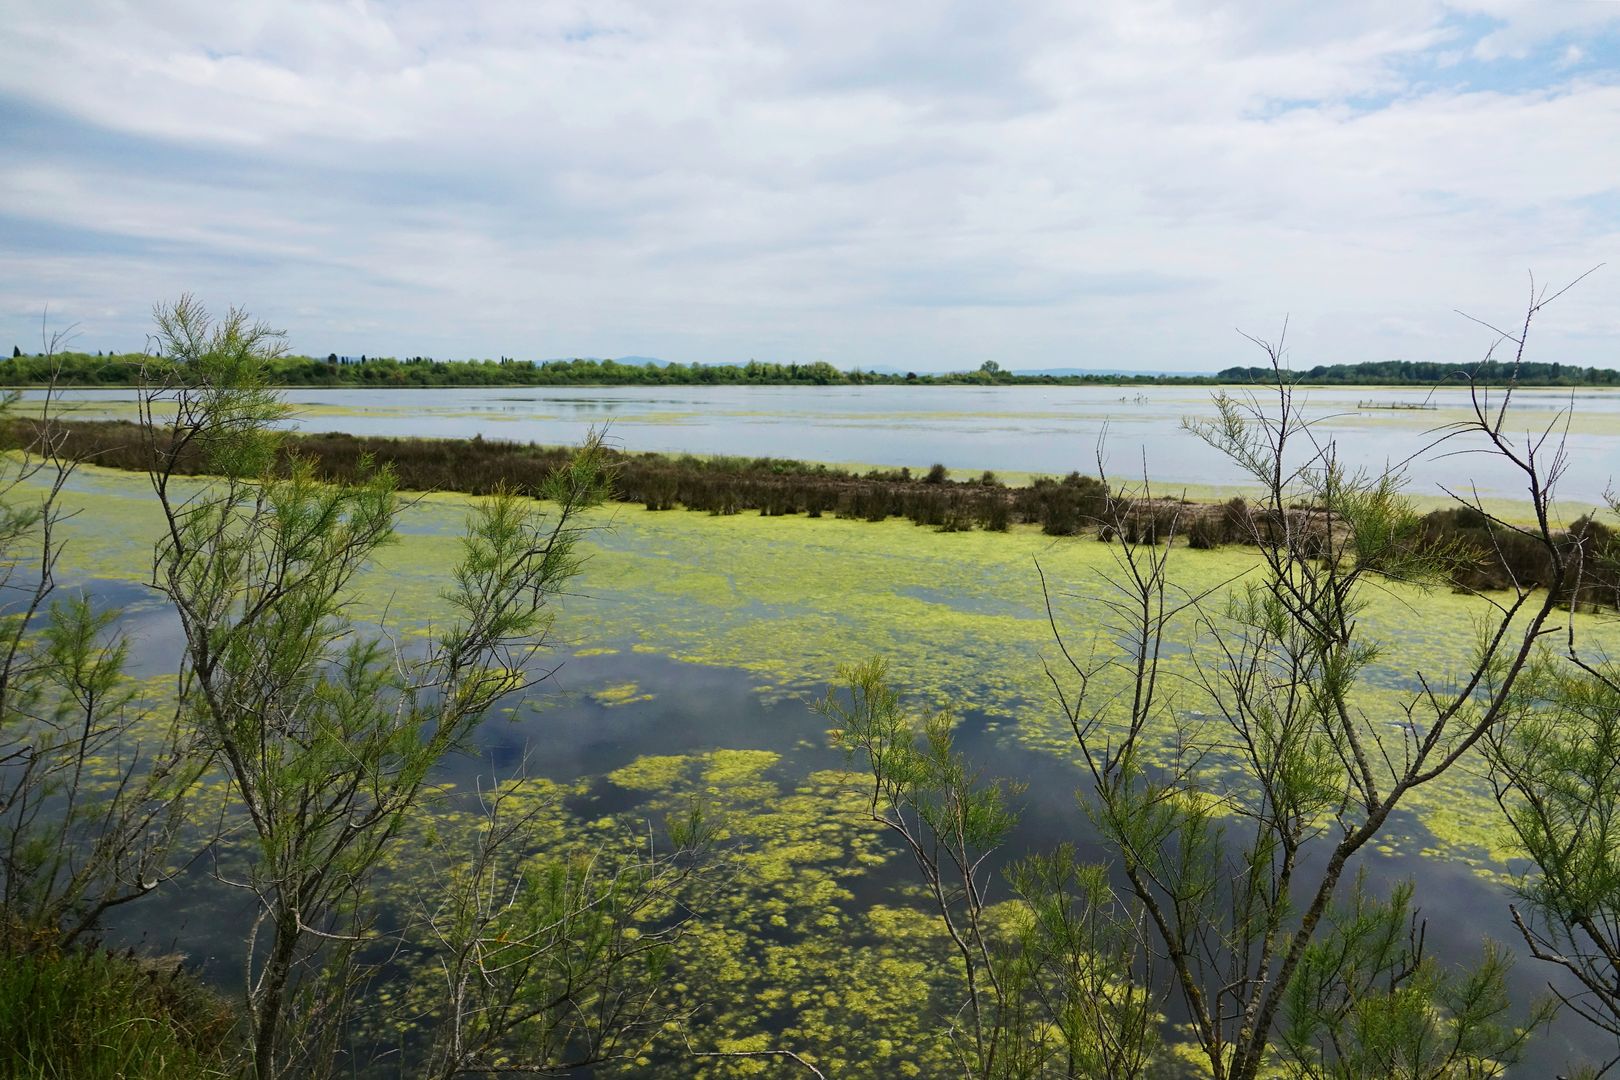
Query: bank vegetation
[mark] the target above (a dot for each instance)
(1487, 553)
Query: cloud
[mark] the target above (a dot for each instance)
(927, 185)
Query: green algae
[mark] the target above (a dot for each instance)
(625, 693)
(787, 950)
(651, 773)
(961, 617)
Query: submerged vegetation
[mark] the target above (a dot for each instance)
(1238, 733)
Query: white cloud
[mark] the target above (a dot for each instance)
(919, 184)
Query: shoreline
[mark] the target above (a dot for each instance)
(1495, 557)
(1512, 510)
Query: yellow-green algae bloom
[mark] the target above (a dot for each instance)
(960, 617)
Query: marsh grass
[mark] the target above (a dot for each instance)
(90, 1014)
(771, 487)
(1492, 554)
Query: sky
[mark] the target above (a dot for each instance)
(920, 186)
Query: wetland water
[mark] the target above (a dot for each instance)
(693, 645)
(1030, 429)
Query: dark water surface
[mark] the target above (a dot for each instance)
(569, 735)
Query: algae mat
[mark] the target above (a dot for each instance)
(961, 617)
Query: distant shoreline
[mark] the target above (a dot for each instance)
(1302, 385)
(81, 370)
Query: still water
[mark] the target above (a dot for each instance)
(1030, 429)
(693, 709)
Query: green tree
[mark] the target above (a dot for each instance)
(328, 735)
(1233, 803)
(1053, 978)
(95, 786)
(1556, 771)
(1239, 881)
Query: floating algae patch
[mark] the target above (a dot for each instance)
(960, 617)
(651, 773)
(962, 620)
(625, 693)
(791, 599)
(787, 956)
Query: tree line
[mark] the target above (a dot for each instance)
(1431, 373)
(129, 369)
